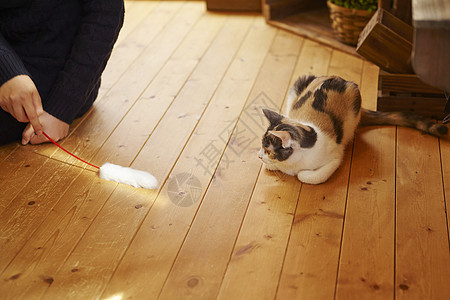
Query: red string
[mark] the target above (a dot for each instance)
(51, 140)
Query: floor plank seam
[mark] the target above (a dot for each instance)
(444, 188)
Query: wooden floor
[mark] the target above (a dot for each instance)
(181, 98)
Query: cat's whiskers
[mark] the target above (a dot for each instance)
(276, 172)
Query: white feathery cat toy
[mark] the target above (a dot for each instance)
(108, 171)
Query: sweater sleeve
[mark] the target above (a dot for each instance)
(101, 22)
(10, 63)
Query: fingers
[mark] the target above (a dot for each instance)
(27, 109)
(31, 110)
(26, 134)
(37, 103)
(30, 136)
(38, 139)
(54, 127)
(20, 97)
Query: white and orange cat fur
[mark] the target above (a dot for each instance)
(322, 114)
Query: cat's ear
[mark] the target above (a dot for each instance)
(284, 136)
(273, 117)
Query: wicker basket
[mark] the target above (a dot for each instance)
(348, 23)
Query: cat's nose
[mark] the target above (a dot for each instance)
(260, 155)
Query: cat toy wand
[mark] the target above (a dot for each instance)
(108, 171)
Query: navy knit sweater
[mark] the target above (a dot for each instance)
(63, 45)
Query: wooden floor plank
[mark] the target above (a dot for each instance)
(135, 13)
(197, 92)
(96, 255)
(6, 150)
(240, 157)
(27, 210)
(126, 223)
(183, 115)
(422, 247)
(35, 266)
(369, 85)
(367, 259)
(259, 250)
(136, 127)
(134, 40)
(314, 247)
(13, 177)
(314, 60)
(168, 220)
(193, 47)
(444, 144)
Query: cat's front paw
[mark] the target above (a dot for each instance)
(310, 177)
(271, 167)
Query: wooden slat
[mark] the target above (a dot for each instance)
(405, 83)
(12, 176)
(369, 84)
(234, 5)
(426, 106)
(192, 47)
(134, 40)
(136, 127)
(6, 150)
(259, 251)
(367, 255)
(122, 211)
(35, 265)
(367, 260)
(422, 247)
(97, 254)
(445, 161)
(167, 223)
(135, 12)
(28, 208)
(239, 158)
(313, 251)
(260, 247)
(118, 208)
(314, 59)
(161, 152)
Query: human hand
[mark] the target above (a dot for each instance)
(20, 97)
(54, 127)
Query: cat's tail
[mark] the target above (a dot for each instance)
(370, 117)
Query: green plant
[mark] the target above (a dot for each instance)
(370, 5)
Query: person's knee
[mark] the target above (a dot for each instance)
(10, 129)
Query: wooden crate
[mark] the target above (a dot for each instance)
(406, 92)
(387, 42)
(307, 18)
(234, 5)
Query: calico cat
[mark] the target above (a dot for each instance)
(322, 114)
